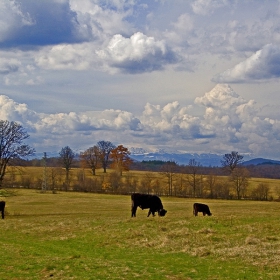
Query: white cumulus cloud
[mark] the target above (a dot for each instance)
(136, 54)
(13, 111)
(263, 65)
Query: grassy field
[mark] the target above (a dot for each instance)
(92, 236)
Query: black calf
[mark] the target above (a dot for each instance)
(199, 207)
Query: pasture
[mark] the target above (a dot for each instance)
(72, 235)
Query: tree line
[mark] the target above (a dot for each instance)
(191, 180)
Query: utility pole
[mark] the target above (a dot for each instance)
(44, 182)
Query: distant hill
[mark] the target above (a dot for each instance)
(179, 158)
(206, 160)
(260, 161)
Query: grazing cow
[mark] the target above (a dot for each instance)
(2, 208)
(147, 201)
(199, 207)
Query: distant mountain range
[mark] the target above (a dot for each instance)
(204, 159)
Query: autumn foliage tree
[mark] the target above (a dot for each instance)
(120, 159)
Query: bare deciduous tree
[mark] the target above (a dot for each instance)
(157, 187)
(105, 148)
(210, 182)
(231, 161)
(180, 185)
(91, 158)
(130, 183)
(222, 189)
(261, 192)
(67, 156)
(12, 147)
(146, 183)
(115, 183)
(168, 170)
(54, 178)
(194, 178)
(240, 179)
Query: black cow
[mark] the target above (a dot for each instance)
(2, 208)
(199, 207)
(147, 201)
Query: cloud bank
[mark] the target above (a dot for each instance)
(115, 37)
(229, 123)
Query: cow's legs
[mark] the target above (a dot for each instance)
(151, 211)
(133, 211)
(3, 214)
(204, 213)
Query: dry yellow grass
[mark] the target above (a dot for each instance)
(24, 176)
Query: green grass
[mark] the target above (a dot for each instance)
(91, 236)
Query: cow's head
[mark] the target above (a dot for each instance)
(162, 212)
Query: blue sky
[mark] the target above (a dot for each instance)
(188, 76)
